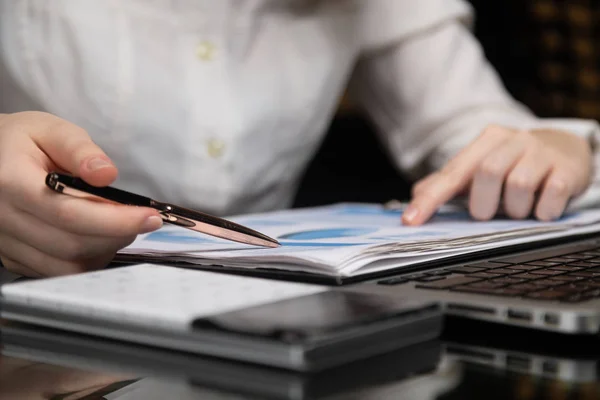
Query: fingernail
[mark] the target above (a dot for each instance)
(410, 213)
(96, 164)
(151, 224)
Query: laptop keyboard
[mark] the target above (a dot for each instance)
(552, 275)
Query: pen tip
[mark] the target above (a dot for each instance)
(274, 243)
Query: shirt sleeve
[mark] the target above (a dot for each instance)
(431, 92)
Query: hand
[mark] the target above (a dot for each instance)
(45, 233)
(531, 171)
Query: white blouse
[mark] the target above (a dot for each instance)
(220, 104)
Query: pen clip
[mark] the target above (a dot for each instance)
(166, 213)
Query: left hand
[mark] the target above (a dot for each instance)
(531, 171)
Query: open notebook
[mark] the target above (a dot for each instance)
(350, 240)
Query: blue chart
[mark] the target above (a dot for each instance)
(366, 210)
(454, 216)
(169, 236)
(287, 243)
(313, 238)
(335, 233)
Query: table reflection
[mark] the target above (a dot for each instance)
(28, 380)
(70, 366)
(485, 364)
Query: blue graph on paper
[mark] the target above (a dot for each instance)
(345, 225)
(179, 236)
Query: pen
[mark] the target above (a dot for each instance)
(170, 213)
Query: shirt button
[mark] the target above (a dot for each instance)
(205, 51)
(215, 148)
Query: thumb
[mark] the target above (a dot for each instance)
(72, 149)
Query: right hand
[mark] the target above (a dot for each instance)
(43, 233)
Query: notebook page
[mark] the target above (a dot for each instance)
(341, 240)
(152, 294)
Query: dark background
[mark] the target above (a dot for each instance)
(547, 56)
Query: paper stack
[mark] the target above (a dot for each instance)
(350, 240)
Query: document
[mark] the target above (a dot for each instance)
(348, 240)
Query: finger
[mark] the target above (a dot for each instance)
(424, 183)
(16, 268)
(557, 190)
(454, 177)
(523, 182)
(72, 214)
(44, 264)
(58, 243)
(72, 149)
(486, 188)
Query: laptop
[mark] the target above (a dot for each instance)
(550, 287)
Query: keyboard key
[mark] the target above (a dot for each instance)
(519, 259)
(449, 282)
(546, 295)
(495, 263)
(430, 278)
(566, 268)
(544, 263)
(392, 281)
(545, 282)
(523, 267)
(503, 271)
(484, 264)
(575, 256)
(583, 264)
(538, 255)
(441, 272)
(585, 274)
(526, 287)
(546, 272)
(508, 291)
(561, 260)
(415, 276)
(507, 280)
(496, 292)
(467, 270)
(527, 276)
(565, 278)
(486, 275)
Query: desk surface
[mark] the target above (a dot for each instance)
(471, 361)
